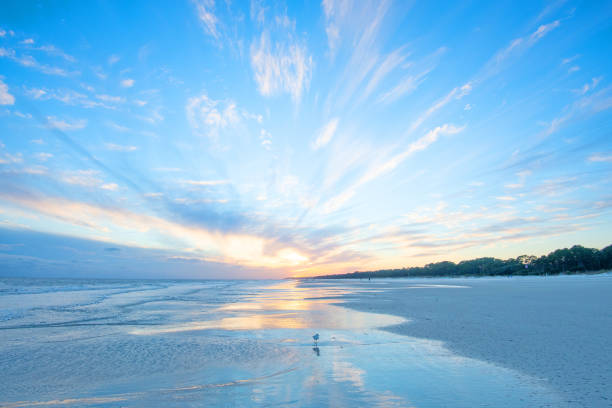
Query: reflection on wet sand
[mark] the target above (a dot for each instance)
(256, 347)
(283, 306)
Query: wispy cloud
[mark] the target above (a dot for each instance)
(505, 198)
(420, 144)
(565, 61)
(83, 178)
(325, 134)
(280, 66)
(43, 156)
(8, 158)
(404, 87)
(522, 175)
(335, 12)
(113, 59)
(389, 164)
(73, 98)
(120, 148)
(64, 125)
(5, 97)
(205, 10)
(55, 51)
(542, 31)
(110, 98)
(209, 117)
(109, 187)
(586, 105)
(516, 47)
(117, 127)
(205, 183)
(391, 61)
(598, 157)
(127, 83)
(455, 94)
(365, 52)
(31, 62)
(589, 86)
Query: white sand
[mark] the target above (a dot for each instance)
(555, 328)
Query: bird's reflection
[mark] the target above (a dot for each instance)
(316, 350)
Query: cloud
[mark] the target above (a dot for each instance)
(389, 164)
(280, 67)
(335, 11)
(365, 28)
(30, 62)
(120, 227)
(70, 97)
(392, 60)
(588, 86)
(266, 139)
(127, 83)
(113, 59)
(7, 158)
(117, 127)
(120, 148)
(597, 157)
(36, 93)
(54, 51)
(209, 117)
(110, 98)
(590, 104)
(405, 86)
(109, 186)
(570, 59)
(205, 183)
(43, 156)
(522, 175)
(515, 48)
(5, 97)
(326, 134)
(420, 144)
(338, 201)
(55, 123)
(542, 31)
(455, 94)
(205, 9)
(83, 178)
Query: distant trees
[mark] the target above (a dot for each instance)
(573, 260)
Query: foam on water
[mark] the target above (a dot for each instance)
(189, 343)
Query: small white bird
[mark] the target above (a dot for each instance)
(316, 337)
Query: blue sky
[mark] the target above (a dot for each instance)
(268, 139)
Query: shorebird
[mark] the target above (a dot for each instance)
(316, 338)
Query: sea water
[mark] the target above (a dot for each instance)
(228, 343)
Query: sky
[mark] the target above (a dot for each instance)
(218, 139)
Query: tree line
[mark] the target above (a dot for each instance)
(576, 259)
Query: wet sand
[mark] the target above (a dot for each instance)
(220, 343)
(558, 329)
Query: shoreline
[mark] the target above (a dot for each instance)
(468, 276)
(556, 329)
